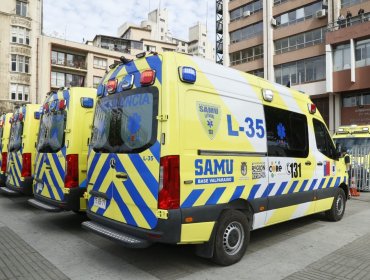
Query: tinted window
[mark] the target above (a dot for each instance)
(51, 133)
(286, 133)
(126, 122)
(347, 144)
(323, 140)
(16, 132)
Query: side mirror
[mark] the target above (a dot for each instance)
(87, 102)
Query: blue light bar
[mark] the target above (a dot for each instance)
(37, 115)
(187, 74)
(87, 102)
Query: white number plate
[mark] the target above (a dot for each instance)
(100, 202)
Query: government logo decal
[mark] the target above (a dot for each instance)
(209, 116)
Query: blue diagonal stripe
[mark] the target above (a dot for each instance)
(39, 166)
(253, 191)
(93, 165)
(57, 187)
(60, 169)
(215, 196)
(18, 179)
(102, 174)
(155, 150)
(156, 64)
(132, 69)
(313, 184)
(291, 190)
(237, 193)
(337, 182)
(45, 180)
(145, 174)
(140, 203)
(124, 209)
(192, 198)
(329, 182)
(281, 188)
(115, 72)
(304, 184)
(268, 190)
(321, 183)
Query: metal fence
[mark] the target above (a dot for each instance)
(360, 167)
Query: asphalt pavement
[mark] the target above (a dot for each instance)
(39, 245)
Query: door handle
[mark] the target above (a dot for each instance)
(122, 175)
(47, 166)
(319, 163)
(308, 163)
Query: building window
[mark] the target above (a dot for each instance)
(59, 79)
(246, 55)
(362, 53)
(66, 59)
(246, 32)
(96, 81)
(342, 57)
(347, 3)
(258, 73)
(21, 8)
(277, 2)
(301, 71)
(298, 15)
(299, 41)
(19, 92)
(100, 62)
(20, 35)
(150, 48)
(356, 100)
(20, 63)
(246, 10)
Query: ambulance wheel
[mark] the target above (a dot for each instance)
(337, 209)
(232, 238)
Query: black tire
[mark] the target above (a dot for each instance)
(232, 238)
(339, 206)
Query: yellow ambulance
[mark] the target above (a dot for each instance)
(4, 141)
(22, 151)
(352, 135)
(185, 151)
(62, 148)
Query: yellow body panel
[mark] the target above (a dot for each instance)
(4, 141)
(196, 232)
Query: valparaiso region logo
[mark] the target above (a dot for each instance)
(209, 116)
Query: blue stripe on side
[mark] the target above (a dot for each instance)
(253, 191)
(144, 172)
(18, 179)
(103, 172)
(40, 165)
(46, 182)
(93, 165)
(329, 182)
(237, 193)
(66, 97)
(64, 151)
(19, 164)
(291, 190)
(58, 165)
(56, 185)
(156, 64)
(213, 199)
(192, 198)
(123, 208)
(140, 203)
(115, 72)
(304, 184)
(337, 182)
(313, 184)
(268, 190)
(132, 69)
(155, 150)
(281, 188)
(321, 183)
(83, 184)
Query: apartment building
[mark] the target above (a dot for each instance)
(65, 63)
(21, 24)
(298, 42)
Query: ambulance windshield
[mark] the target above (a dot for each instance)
(347, 144)
(16, 132)
(126, 122)
(51, 134)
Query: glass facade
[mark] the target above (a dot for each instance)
(246, 32)
(246, 55)
(301, 14)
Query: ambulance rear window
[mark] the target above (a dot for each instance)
(347, 144)
(126, 122)
(16, 132)
(51, 133)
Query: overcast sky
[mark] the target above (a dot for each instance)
(76, 20)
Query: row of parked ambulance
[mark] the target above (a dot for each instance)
(175, 149)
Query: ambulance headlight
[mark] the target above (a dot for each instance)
(187, 74)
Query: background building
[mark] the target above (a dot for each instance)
(289, 42)
(21, 24)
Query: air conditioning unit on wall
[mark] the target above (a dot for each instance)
(321, 13)
(246, 13)
(274, 22)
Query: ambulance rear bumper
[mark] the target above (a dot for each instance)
(166, 231)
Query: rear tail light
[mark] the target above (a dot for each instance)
(4, 161)
(71, 177)
(169, 180)
(26, 165)
(111, 86)
(147, 78)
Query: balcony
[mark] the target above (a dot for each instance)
(75, 65)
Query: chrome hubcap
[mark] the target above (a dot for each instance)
(339, 205)
(233, 238)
